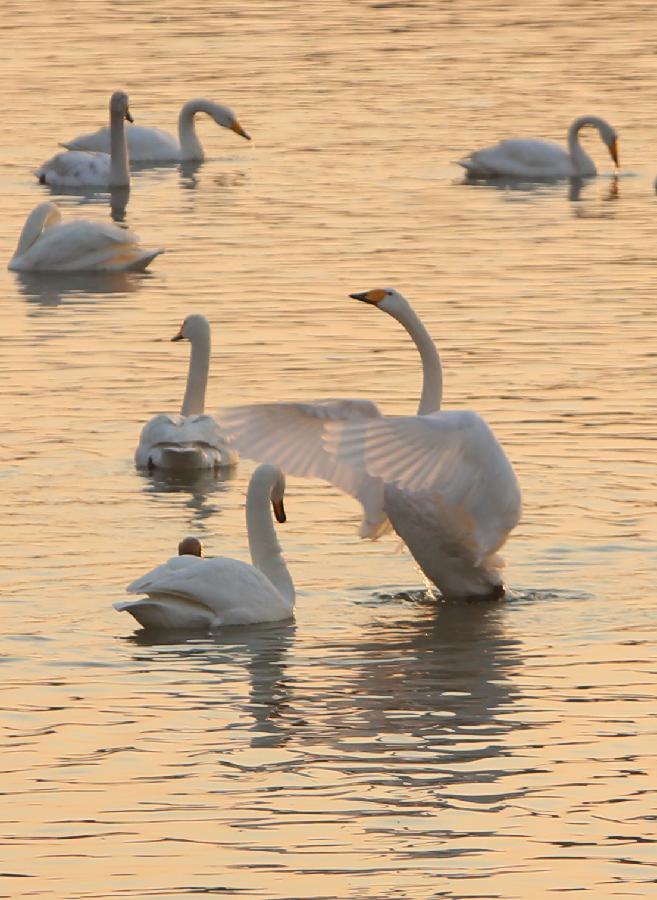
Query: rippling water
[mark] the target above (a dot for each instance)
(382, 745)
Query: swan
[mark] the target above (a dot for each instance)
(191, 440)
(76, 168)
(147, 144)
(532, 158)
(48, 245)
(189, 591)
(441, 479)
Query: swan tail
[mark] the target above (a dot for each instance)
(168, 612)
(141, 262)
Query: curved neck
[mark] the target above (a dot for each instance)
(197, 375)
(580, 159)
(432, 373)
(119, 169)
(42, 216)
(190, 146)
(266, 553)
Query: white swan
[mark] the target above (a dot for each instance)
(147, 144)
(75, 168)
(441, 478)
(191, 440)
(190, 592)
(531, 158)
(48, 245)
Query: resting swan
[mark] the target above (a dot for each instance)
(191, 440)
(48, 245)
(147, 144)
(107, 170)
(531, 158)
(441, 478)
(191, 592)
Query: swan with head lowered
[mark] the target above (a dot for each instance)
(191, 440)
(47, 244)
(532, 158)
(147, 144)
(441, 479)
(76, 168)
(189, 592)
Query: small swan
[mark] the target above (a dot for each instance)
(190, 592)
(532, 158)
(75, 168)
(191, 440)
(48, 245)
(147, 144)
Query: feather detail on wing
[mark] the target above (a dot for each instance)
(291, 436)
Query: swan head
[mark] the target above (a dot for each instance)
(194, 326)
(277, 494)
(387, 299)
(227, 119)
(120, 106)
(190, 546)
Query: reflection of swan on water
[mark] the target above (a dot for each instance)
(201, 484)
(147, 144)
(189, 591)
(531, 158)
(54, 289)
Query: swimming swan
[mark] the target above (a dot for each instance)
(75, 168)
(191, 440)
(147, 144)
(48, 245)
(441, 478)
(531, 158)
(191, 592)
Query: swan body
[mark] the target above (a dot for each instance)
(75, 168)
(441, 479)
(531, 158)
(146, 144)
(193, 439)
(189, 592)
(46, 244)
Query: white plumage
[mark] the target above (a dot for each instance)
(531, 158)
(48, 245)
(190, 592)
(191, 440)
(147, 144)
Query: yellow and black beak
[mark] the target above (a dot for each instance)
(178, 337)
(613, 150)
(279, 510)
(374, 296)
(128, 116)
(237, 128)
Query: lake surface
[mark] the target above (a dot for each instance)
(382, 745)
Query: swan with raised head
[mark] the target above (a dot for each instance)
(47, 244)
(147, 144)
(190, 592)
(441, 478)
(193, 439)
(76, 168)
(532, 158)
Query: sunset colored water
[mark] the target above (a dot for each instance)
(383, 744)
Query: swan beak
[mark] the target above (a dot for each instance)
(128, 116)
(613, 150)
(178, 337)
(374, 297)
(279, 510)
(237, 128)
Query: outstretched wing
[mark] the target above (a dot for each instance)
(291, 436)
(453, 455)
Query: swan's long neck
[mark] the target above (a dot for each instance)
(190, 145)
(119, 168)
(42, 216)
(432, 373)
(581, 161)
(197, 374)
(266, 552)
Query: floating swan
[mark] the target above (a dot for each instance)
(48, 245)
(75, 168)
(191, 440)
(191, 592)
(154, 145)
(441, 478)
(531, 158)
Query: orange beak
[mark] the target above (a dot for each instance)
(279, 510)
(237, 128)
(613, 150)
